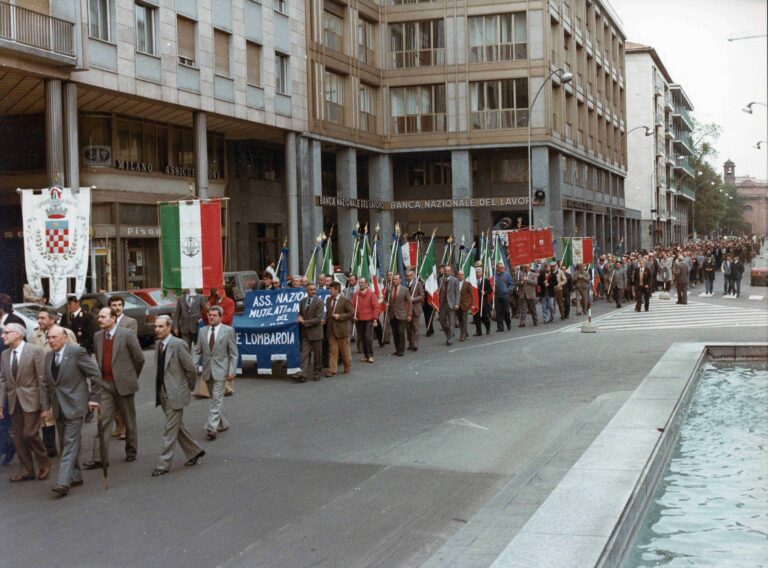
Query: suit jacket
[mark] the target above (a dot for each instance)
(25, 387)
(645, 273)
(416, 292)
(531, 280)
(311, 309)
(69, 393)
(467, 296)
(180, 373)
(341, 327)
(186, 316)
(682, 273)
(400, 306)
(127, 359)
(129, 323)
(83, 326)
(450, 293)
(222, 361)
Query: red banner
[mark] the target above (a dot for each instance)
(520, 247)
(542, 243)
(588, 256)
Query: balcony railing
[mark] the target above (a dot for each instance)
(365, 54)
(499, 52)
(367, 122)
(499, 118)
(418, 58)
(688, 192)
(418, 123)
(334, 112)
(36, 30)
(333, 41)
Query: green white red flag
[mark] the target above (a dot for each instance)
(191, 245)
(470, 275)
(428, 274)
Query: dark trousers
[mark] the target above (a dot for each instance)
(682, 293)
(617, 296)
(483, 318)
(643, 297)
(528, 306)
(514, 306)
(428, 310)
(567, 302)
(398, 333)
(736, 286)
(501, 305)
(365, 336)
(461, 315)
(311, 349)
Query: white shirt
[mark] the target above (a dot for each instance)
(215, 332)
(19, 350)
(165, 342)
(110, 333)
(118, 320)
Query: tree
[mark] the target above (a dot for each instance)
(710, 204)
(732, 220)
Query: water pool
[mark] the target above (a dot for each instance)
(711, 507)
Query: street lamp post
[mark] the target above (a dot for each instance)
(758, 145)
(748, 108)
(565, 77)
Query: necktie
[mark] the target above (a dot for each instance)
(15, 365)
(333, 306)
(212, 338)
(55, 367)
(189, 301)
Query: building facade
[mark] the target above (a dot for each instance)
(150, 101)
(660, 179)
(754, 193)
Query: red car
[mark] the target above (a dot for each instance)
(155, 296)
(759, 276)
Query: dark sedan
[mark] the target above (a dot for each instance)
(135, 307)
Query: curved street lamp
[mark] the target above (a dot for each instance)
(748, 108)
(760, 143)
(565, 77)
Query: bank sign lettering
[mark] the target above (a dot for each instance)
(267, 329)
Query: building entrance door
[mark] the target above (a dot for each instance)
(142, 263)
(264, 244)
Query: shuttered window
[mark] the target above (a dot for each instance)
(185, 30)
(254, 64)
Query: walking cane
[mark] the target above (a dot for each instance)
(103, 449)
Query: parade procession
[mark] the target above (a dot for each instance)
(383, 284)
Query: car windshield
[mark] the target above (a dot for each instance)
(29, 312)
(162, 299)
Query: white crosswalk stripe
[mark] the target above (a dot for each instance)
(666, 314)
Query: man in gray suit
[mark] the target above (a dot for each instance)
(681, 280)
(120, 359)
(21, 375)
(217, 344)
(174, 382)
(117, 303)
(189, 309)
(400, 310)
(67, 396)
(450, 300)
(310, 320)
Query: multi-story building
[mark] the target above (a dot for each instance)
(754, 193)
(660, 178)
(419, 113)
(148, 101)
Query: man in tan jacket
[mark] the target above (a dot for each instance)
(466, 304)
(339, 312)
(21, 374)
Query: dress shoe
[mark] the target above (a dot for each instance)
(76, 483)
(157, 472)
(222, 429)
(117, 432)
(194, 460)
(330, 374)
(43, 474)
(430, 332)
(210, 435)
(130, 458)
(346, 370)
(477, 335)
(92, 465)
(61, 490)
(300, 380)
(448, 342)
(18, 478)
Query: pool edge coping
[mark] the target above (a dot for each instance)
(568, 526)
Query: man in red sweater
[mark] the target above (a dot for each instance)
(366, 306)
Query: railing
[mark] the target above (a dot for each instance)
(418, 58)
(687, 168)
(365, 54)
(334, 112)
(498, 52)
(36, 30)
(499, 118)
(333, 41)
(367, 122)
(419, 123)
(688, 192)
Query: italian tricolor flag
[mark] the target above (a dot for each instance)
(191, 245)
(470, 275)
(428, 273)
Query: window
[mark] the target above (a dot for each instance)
(253, 55)
(96, 139)
(254, 161)
(366, 41)
(221, 52)
(333, 31)
(400, 2)
(367, 101)
(99, 19)
(185, 32)
(145, 28)
(499, 104)
(429, 172)
(501, 37)
(418, 109)
(279, 6)
(282, 74)
(509, 170)
(333, 94)
(417, 44)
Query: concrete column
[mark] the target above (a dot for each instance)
(200, 133)
(292, 203)
(71, 149)
(54, 133)
(309, 186)
(346, 186)
(601, 233)
(591, 224)
(625, 232)
(381, 187)
(461, 173)
(569, 222)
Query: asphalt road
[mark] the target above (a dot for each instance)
(387, 466)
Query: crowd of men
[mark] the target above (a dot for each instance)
(83, 365)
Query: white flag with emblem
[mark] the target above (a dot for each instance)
(56, 238)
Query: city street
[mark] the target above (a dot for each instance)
(435, 459)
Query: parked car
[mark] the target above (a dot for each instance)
(135, 307)
(241, 282)
(28, 312)
(759, 275)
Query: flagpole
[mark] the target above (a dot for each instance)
(392, 260)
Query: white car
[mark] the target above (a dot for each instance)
(28, 312)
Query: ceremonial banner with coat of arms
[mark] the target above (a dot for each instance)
(56, 239)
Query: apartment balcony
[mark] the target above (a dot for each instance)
(688, 193)
(419, 123)
(668, 104)
(37, 35)
(499, 118)
(683, 142)
(688, 169)
(683, 117)
(418, 58)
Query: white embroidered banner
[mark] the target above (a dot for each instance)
(56, 238)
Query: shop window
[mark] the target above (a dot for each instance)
(22, 143)
(256, 162)
(101, 214)
(429, 172)
(96, 140)
(182, 149)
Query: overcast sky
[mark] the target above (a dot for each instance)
(719, 76)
